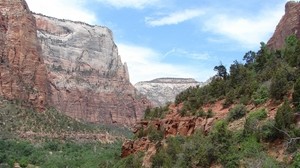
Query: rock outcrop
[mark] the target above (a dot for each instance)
(171, 125)
(162, 90)
(88, 81)
(23, 74)
(288, 25)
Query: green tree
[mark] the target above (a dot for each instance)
(222, 71)
(284, 116)
(249, 57)
(279, 85)
(296, 95)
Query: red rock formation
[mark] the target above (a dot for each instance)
(173, 124)
(22, 71)
(288, 25)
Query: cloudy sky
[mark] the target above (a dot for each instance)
(175, 38)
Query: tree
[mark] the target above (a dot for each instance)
(261, 57)
(284, 116)
(291, 43)
(296, 95)
(279, 85)
(249, 57)
(222, 72)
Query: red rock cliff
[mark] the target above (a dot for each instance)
(288, 25)
(22, 71)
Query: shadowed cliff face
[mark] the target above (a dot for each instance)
(288, 25)
(23, 74)
(88, 80)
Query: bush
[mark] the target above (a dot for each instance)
(296, 94)
(259, 114)
(252, 125)
(237, 112)
(284, 116)
(268, 131)
(279, 85)
(155, 134)
(261, 95)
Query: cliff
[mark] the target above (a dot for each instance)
(87, 78)
(162, 90)
(288, 25)
(23, 74)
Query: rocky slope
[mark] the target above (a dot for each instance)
(23, 74)
(88, 80)
(288, 25)
(163, 90)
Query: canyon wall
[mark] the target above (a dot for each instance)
(23, 73)
(87, 79)
(288, 25)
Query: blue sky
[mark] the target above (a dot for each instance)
(175, 38)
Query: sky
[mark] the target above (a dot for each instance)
(175, 38)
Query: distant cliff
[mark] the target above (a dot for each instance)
(87, 78)
(288, 25)
(163, 90)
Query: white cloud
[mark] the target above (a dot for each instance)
(186, 54)
(137, 4)
(248, 31)
(63, 9)
(175, 18)
(145, 64)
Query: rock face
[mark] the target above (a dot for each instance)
(163, 90)
(23, 74)
(171, 125)
(88, 80)
(288, 25)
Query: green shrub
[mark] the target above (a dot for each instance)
(252, 125)
(296, 94)
(259, 114)
(296, 160)
(284, 116)
(268, 131)
(237, 112)
(155, 134)
(229, 99)
(279, 85)
(210, 113)
(261, 95)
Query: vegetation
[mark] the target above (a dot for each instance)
(51, 141)
(54, 153)
(265, 76)
(237, 112)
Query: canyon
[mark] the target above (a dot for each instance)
(72, 66)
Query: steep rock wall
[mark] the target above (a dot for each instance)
(88, 80)
(23, 74)
(288, 25)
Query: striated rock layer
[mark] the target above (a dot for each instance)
(288, 25)
(88, 80)
(23, 74)
(163, 90)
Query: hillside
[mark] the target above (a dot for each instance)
(247, 116)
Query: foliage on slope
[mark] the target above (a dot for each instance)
(265, 76)
(51, 139)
